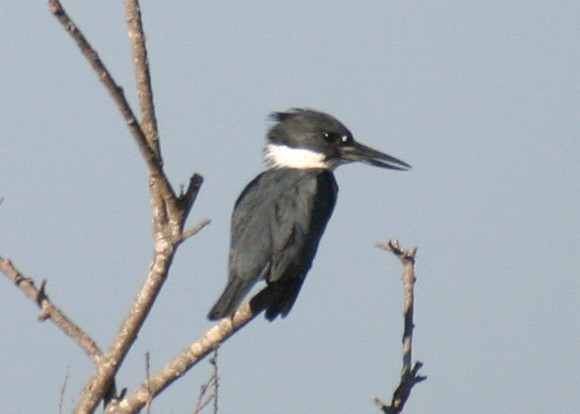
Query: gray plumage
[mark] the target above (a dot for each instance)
(284, 255)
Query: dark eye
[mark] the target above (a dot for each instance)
(330, 137)
(334, 138)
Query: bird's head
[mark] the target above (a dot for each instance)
(303, 138)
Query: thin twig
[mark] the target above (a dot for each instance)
(63, 390)
(213, 384)
(50, 311)
(194, 230)
(147, 376)
(216, 382)
(409, 375)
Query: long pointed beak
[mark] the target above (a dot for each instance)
(362, 153)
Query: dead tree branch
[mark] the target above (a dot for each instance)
(142, 75)
(111, 86)
(170, 212)
(409, 374)
(193, 354)
(48, 310)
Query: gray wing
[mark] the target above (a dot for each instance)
(276, 226)
(247, 262)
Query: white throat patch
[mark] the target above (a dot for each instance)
(283, 156)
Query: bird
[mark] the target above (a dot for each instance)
(280, 216)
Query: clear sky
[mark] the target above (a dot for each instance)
(482, 98)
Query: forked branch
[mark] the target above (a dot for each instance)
(409, 374)
(106, 78)
(170, 211)
(193, 354)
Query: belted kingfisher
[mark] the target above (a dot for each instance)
(280, 216)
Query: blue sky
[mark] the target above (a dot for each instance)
(481, 98)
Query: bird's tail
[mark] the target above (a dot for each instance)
(230, 299)
(277, 298)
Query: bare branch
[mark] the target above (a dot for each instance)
(213, 384)
(187, 359)
(151, 157)
(127, 334)
(409, 375)
(169, 211)
(130, 327)
(147, 376)
(162, 201)
(187, 199)
(216, 382)
(142, 75)
(195, 353)
(63, 391)
(50, 311)
(194, 230)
